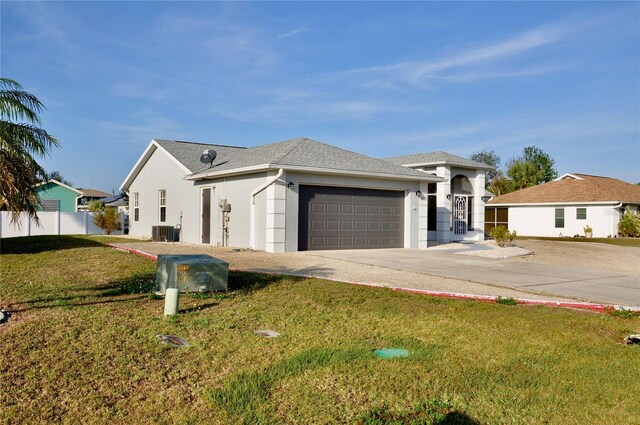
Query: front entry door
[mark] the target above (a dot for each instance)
(206, 215)
(460, 218)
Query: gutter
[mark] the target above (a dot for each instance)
(252, 224)
(316, 170)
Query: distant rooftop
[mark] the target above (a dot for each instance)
(574, 187)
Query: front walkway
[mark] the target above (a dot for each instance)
(414, 269)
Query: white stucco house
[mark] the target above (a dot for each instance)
(565, 206)
(302, 194)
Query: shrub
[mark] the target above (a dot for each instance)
(629, 225)
(108, 220)
(506, 301)
(96, 206)
(503, 236)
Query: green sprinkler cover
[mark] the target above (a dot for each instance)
(391, 353)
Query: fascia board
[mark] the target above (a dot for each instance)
(232, 172)
(151, 148)
(453, 164)
(542, 204)
(314, 170)
(59, 184)
(311, 170)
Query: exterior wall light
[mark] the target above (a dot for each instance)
(448, 196)
(290, 185)
(418, 193)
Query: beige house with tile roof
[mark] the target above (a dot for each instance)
(565, 206)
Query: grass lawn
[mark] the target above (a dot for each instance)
(611, 241)
(81, 346)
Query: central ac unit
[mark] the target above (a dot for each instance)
(164, 234)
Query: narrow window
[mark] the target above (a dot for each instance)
(470, 213)
(162, 202)
(136, 206)
(581, 214)
(559, 218)
(432, 207)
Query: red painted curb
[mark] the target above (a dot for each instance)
(134, 251)
(600, 308)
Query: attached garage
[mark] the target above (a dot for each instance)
(350, 218)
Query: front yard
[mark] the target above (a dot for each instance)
(81, 346)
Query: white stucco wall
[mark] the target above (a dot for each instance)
(237, 191)
(540, 220)
(161, 172)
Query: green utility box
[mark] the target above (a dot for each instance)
(191, 273)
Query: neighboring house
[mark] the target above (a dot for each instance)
(456, 203)
(118, 201)
(56, 196)
(564, 206)
(89, 195)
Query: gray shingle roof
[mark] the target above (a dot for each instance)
(438, 157)
(188, 153)
(301, 152)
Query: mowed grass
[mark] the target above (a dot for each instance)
(635, 242)
(81, 346)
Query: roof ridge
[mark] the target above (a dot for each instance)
(200, 143)
(298, 141)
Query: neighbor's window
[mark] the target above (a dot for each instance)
(581, 214)
(559, 218)
(136, 206)
(162, 202)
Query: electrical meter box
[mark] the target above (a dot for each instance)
(191, 273)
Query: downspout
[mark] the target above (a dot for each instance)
(614, 225)
(252, 226)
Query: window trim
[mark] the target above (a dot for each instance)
(162, 205)
(136, 206)
(559, 217)
(578, 213)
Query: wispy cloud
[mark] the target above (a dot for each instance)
(292, 33)
(470, 64)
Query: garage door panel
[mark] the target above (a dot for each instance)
(350, 218)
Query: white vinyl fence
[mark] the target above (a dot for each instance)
(52, 223)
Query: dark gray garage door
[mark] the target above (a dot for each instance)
(348, 218)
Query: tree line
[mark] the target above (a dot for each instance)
(531, 168)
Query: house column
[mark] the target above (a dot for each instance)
(423, 221)
(444, 204)
(276, 203)
(478, 204)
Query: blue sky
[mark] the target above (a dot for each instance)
(383, 78)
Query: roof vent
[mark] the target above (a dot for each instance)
(208, 157)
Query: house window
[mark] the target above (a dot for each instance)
(136, 206)
(162, 202)
(581, 214)
(494, 217)
(432, 207)
(559, 218)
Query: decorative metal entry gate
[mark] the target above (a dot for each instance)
(460, 214)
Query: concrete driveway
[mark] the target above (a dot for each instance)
(443, 271)
(567, 281)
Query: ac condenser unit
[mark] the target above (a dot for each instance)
(191, 273)
(164, 233)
